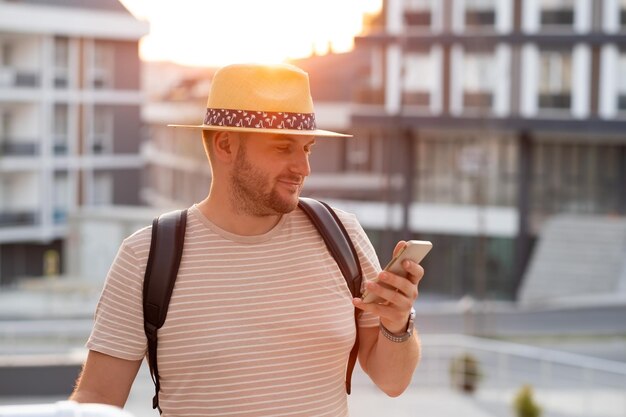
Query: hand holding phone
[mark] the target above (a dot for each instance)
(414, 250)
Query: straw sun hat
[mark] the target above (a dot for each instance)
(261, 98)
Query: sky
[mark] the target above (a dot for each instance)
(219, 32)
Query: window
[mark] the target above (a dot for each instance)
(418, 79)
(103, 63)
(621, 83)
(60, 138)
(480, 13)
(60, 197)
(358, 154)
(6, 54)
(61, 62)
(102, 131)
(555, 80)
(577, 178)
(418, 14)
(557, 13)
(478, 80)
(102, 189)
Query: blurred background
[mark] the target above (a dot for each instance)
(494, 128)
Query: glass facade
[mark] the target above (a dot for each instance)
(479, 266)
(578, 178)
(479, 170)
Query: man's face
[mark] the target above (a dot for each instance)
(269, 172)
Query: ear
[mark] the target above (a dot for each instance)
(224, 146)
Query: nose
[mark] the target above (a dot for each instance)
(300, 164)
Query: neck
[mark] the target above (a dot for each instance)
(221, 212)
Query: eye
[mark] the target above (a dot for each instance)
(283, 148)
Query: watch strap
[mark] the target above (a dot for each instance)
(403, 337)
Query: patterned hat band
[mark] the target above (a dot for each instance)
(259, 119)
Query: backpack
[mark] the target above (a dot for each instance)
(166, 248)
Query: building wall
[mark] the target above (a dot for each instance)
(523, 118)
(70, 126)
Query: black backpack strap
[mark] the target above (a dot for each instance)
(342, 249)
(166, 249)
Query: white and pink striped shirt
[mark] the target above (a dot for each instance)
(257, 325)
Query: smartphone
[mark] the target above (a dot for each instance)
(414, 250)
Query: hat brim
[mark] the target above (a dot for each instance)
(293, 132)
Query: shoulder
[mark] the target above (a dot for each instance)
(349, 220)
(138, 242)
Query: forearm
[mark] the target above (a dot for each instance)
(81, 395)
(391, 365)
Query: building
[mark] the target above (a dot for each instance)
(499, 115)
(70, 126)
(475, 123)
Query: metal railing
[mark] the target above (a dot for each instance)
(564, 384)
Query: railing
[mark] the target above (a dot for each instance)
(564, 384)
(555, 101)
(17, 218)
(369, 95)
(480, 18)
(416, 18)
(477, 100)
(557, 17)
(621, 101)
(18, 148)
(10, 77)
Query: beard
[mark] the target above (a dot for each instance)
(249, 184)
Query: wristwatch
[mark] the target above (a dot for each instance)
(403, 337)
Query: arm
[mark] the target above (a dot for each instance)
(389, 364)
(105, 380)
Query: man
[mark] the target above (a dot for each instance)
(261, 320)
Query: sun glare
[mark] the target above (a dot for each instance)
(214, 33)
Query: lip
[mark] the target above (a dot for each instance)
(292, 185)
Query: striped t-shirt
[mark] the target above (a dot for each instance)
(257, 325)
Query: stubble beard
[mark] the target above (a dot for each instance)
(248, 196)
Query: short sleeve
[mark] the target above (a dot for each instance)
(118, 328)
(370, 264)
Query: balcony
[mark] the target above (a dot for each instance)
(480, 19)
(621, 102)
(10, 77)
(557, 17)
(559, 101)
(416, 98)
(17, 218)
(474, 100)
(60, 149)
(61, 81)
(59, 215)
(418, 19)
(369, 95)
(18, 148)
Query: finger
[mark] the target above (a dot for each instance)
(393, 296)
(399, 246)
(404, 285)
(414, 270)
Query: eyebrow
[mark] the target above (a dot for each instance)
(281, 138)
